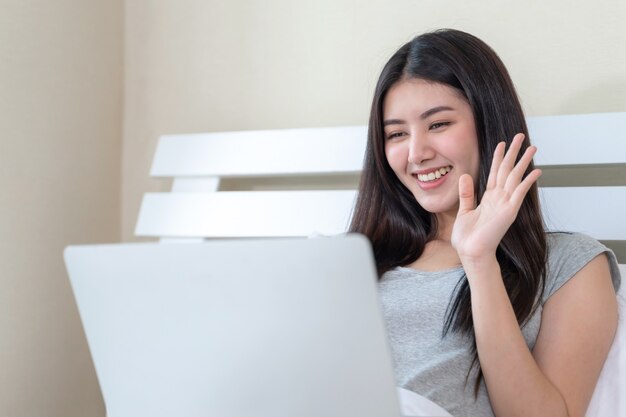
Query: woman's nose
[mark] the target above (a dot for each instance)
(419, 150)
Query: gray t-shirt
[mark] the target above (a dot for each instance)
(414, 305)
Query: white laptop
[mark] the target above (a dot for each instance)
(234, 328)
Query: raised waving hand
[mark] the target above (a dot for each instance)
(477, 231)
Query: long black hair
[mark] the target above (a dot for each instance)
(387, 212)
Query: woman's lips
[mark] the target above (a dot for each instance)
(432, 175)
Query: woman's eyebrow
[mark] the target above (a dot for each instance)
(393, 122)
(434, 110)
(423, 116)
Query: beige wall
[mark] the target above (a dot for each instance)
(60, 146)
(217, 65)
(202, 65)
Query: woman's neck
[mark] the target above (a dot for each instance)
(438, 255)
(445, 223)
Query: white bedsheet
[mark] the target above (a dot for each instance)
(414, 405)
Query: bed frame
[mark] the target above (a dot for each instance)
(302, 182)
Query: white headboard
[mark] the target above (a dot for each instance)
(299, 182)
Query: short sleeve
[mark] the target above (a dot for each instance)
(568, 253)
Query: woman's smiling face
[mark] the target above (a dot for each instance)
(430, 141)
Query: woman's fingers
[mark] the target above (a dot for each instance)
(466, 194)
(508, 175)
(498, 155)
(509, 160)
(516, 175)
(522, 189)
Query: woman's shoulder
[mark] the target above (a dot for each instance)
(566, 241)
(568, 253)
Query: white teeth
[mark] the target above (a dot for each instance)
(431, 176)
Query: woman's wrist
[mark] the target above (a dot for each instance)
(481, 268)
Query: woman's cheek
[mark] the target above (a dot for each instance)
(396, 156)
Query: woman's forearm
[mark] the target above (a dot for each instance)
(515, 383)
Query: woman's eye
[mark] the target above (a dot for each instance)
(438, 125)
(395, 135)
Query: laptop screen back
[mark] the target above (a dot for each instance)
(280, 327)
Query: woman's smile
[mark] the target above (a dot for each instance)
(428, 179)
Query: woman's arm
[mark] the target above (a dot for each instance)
(578, 322)
(578, 325)
(577, 328)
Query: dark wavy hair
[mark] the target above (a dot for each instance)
(387, 212)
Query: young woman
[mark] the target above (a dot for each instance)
(486, 313)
